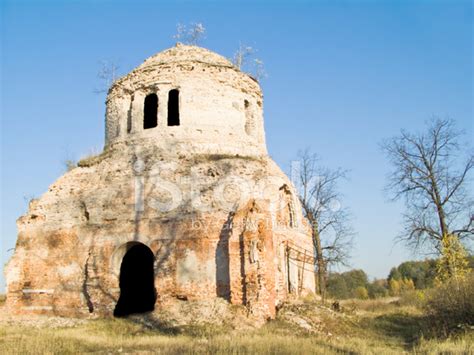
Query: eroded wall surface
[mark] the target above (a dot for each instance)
(219, 215)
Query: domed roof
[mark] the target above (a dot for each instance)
(186, 53)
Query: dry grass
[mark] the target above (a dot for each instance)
(205, 158)
(452, 304)
(379, 305)
(93, 158)
(457, 345)
(398, 330)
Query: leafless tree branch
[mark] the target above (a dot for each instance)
(331, 228)
(432, 178)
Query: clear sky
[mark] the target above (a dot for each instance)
(342, 76)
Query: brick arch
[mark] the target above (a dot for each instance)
(119, 253)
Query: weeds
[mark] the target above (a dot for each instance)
(93, 159)
(382, 328)
(451, 306)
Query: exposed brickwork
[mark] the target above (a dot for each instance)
(215, 210)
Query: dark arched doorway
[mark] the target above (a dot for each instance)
(137, 289)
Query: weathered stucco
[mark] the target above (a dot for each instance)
(220, 217)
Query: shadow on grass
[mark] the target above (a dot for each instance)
(405, 328)
(151, 322)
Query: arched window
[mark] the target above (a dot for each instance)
(173, 108)
(150, 117)
(286, 208)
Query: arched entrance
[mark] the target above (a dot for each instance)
(137, 289)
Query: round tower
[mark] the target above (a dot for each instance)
(187, 99)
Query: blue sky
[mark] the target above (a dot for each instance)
(342, 76)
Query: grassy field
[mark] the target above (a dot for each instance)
(367, 327)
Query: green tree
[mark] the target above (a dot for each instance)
(377, 289)
(421, 272)
(337, 287)
(344, 285)
(394, 274)
(356, 278)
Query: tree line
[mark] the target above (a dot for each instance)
(408, 276)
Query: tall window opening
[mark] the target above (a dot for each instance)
(286, 214)
(129, 117)
(150, 118)
(249, 124)
(291, 215)
(173, 108)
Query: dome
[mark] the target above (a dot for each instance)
(187, 98)
(177, 57)
(186, 53)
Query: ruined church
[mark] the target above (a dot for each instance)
(182, 204)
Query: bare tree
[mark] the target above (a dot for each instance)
(332, 233)
(431, 175)
(243, 60)
(192, 35)
(107, 74)
(241, 55)
(259, 71)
